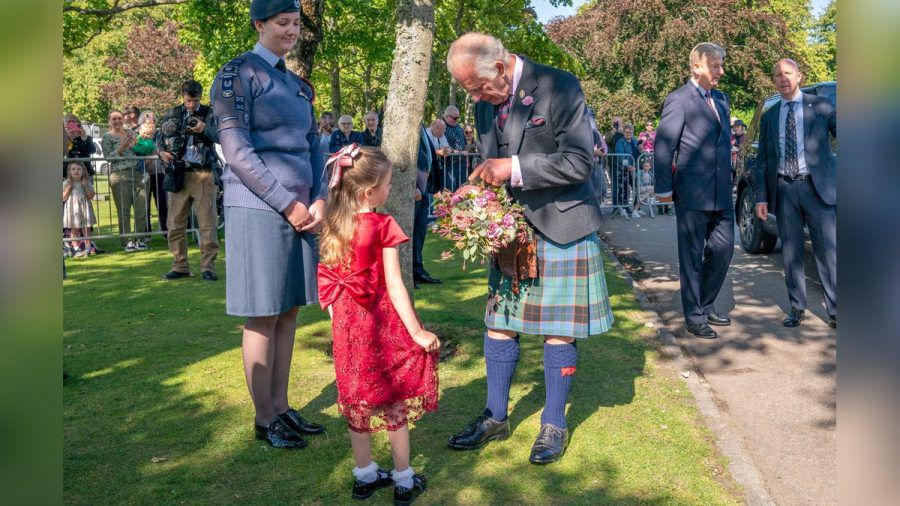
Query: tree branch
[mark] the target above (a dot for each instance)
(120, 8)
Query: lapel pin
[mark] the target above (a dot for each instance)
(521, 94)
(528, 100)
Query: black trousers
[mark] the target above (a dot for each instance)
(798, 205)
(705, 248)
(160, 198)
(420, 228)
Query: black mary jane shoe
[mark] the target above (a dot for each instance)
(550, 445)
(293, 420)
(404, 496)
(279, 435)
(794, 318)
(718, 319)
(702, 330)
(362, 490)
(480, 431)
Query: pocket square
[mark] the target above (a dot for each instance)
(535, 122)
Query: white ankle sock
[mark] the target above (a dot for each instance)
(403, 478)
(367, 474)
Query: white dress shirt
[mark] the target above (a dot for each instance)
(782, 126)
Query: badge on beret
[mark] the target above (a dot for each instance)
(296, 4)
(227, 84)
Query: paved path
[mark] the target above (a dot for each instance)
(775, 386)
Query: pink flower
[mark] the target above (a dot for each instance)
(494, 231)
(455, 200)
(481, 201)
(508, 221)
(490, 195)
(528, 100)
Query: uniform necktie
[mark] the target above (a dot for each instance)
(280, 65)
(503, 112)
(791, 164)
(712, 106)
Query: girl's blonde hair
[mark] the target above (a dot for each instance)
(84, 172)
(344, 200)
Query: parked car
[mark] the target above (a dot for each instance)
(759, 237)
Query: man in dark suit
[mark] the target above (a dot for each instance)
(535, 138)
(796, 179)
(425, 161)
(694, 137)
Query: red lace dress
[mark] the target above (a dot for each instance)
(384, 379)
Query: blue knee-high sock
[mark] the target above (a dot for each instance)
(559, 369)
(500, 359)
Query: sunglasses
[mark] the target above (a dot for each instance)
(454, 118)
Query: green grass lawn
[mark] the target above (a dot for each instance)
(156, 410)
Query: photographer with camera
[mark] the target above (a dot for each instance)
(186, 138)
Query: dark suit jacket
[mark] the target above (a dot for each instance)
(424, 161)
(819, 119)
(339, 140)
(702, 178)
(556, 157)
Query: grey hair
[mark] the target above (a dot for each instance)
(438, 122)
(628, 126)
(450, 109)
(704, 50)
(479, 50)
(371, 114)
(344, 119)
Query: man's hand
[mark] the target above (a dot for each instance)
(317, 213)
(664, 200)
(418, 195)
(166, 157)
(297, 215)
(493, 171)
(762, 211)
(198, 128)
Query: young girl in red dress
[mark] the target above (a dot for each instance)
(385, 361)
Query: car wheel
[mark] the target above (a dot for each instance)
(754, 238)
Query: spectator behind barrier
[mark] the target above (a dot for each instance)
(372, 133)
(647, 138)
(469, 134)
(78, 214)
(326, 126)
(345, 135)
(125, 181)
(78, 143)
(627, 145)
(454, 132)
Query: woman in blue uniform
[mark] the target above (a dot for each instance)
(274, 201)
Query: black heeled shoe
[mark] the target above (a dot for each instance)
(279, 435)
(300, 425)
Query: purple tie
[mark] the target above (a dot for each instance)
(503, 112)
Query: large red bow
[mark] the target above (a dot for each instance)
(360, 285)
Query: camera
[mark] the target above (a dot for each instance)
(193, 122)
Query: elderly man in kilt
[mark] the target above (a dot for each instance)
(535, 137)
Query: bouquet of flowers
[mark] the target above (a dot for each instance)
(480, 220)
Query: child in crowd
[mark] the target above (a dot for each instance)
(645, 184)
(385, 361)
(78, 214)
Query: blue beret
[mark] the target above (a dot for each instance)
(265, 9)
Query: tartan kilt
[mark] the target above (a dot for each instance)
(568, 298)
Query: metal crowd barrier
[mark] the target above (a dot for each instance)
(455, 169)
(109, 219)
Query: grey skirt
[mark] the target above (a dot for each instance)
(269, 268)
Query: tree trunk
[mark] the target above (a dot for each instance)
(335, 72)
(403, 113)
(436, 89)
(451, 100)
(300, 59)
(367, 80)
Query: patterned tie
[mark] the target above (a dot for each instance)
(503, 113)
(280, 65)
(712, 106)
(791, 165)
